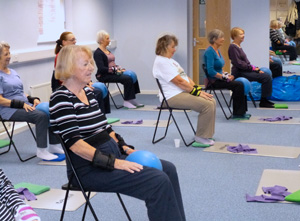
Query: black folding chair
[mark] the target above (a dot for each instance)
(170, 109)
(81, 188)
(211, 88)
(11, 142)
(111, 97)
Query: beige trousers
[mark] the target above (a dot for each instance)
(205, 108)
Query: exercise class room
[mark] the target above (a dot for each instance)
(140, 110)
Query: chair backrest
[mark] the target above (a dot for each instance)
(163, 95)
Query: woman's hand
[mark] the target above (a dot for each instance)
(206, 96)
(131, 167)
(36, 102)
(230, 77)
(28, 107)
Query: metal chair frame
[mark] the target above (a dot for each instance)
(170, 109)
(111, 97)
(11, 142)
(82, 189)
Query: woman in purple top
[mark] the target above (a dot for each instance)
(241, 67)
(108, 71)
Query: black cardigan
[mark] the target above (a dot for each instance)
(101, 62)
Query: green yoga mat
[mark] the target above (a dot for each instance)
(281, 106)
(34, 188)
(196, 144)
(4, 143)
(112, 120)
(294, 197)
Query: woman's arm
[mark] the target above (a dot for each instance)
(101, 62)
(183, 84)
(15, 104)
(88, 152)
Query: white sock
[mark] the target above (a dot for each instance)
(56, 148)
(44, 154)
(129, 105)
(204, 140)
(26, 213)
(135, 103)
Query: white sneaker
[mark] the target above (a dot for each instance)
(56, 148)
(204, 140)
(44, 154)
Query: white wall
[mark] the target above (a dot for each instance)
(253, 16)
(138, 24)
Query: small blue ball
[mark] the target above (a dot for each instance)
(131, 74)
(43, 106)
(247, 84)
(101, 86)
(145, 158)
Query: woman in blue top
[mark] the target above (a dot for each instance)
(16, 106)
(219, 79)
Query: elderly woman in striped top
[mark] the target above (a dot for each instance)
(97, 151)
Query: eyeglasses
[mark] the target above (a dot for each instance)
(72, 40)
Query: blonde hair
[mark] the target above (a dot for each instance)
(163, 43)
(101, 35)
(235, 31)
(274, 24)
(3, 44)
(67, 59)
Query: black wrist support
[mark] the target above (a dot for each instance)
(105, 161)
(16, 104)
(31, 99)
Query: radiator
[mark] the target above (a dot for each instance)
(43, 91)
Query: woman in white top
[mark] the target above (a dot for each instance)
(181, 91)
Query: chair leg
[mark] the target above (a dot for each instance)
(11, 142)
(112, 99)
(157, 123)
(226, 116)
(66, 199)
(124, 207)
(252, 99)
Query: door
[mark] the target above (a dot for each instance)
(208, 15)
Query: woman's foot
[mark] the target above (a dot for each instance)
(241, 117)
(204, 140)
(56, 148)
(264, 102)
(135, 103)
(44, 154)
(129, 105)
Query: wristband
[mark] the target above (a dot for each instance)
(31, 99)
(126, 149)
(225, 76)
(195, 92)
(197, 87)
(105, 161)
(17, 104)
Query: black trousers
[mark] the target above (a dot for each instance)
(290, 50)
(104, 103)
(159, 189)
(238, 97)
(264, 78)
(130, 88)
(276, 69)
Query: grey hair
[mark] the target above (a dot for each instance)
(100, 35)
(214, 35)
(3, 44)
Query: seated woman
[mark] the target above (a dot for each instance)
(241, 67)
(12, 207)
(68, 38)
(97, 151)
(181, 91)
(16, 106)
(278, 43)
(214, 64)
(108, 71)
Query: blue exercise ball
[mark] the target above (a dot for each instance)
(131, 74)
(43, 106)
(247, 84)
(266, 70)
(100, 86)
(145, 158)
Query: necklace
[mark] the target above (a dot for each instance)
(236, 44)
